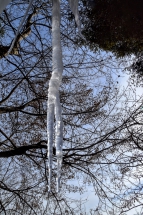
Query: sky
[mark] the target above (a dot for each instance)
(89, 197)
(92, 199)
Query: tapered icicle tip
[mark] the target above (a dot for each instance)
(59, 162)
(50, 178)
(58, 184)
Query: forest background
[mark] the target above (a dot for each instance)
(102, 122)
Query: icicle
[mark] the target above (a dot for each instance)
(53, 94)
(20, 26)
(54, 106)
(59, 139)
(50, 127)
(3, 4)
(74, 8)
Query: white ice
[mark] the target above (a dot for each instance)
(54, 106)
(74, 8)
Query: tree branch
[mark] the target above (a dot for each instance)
(22, 149)
(21, 36)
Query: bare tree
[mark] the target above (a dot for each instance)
(102, 138)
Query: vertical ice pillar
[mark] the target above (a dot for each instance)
(54, 106)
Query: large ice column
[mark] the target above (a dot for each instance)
(3, 4)
(54, 106)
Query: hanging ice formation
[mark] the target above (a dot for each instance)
(74, 8)
(53, 104)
